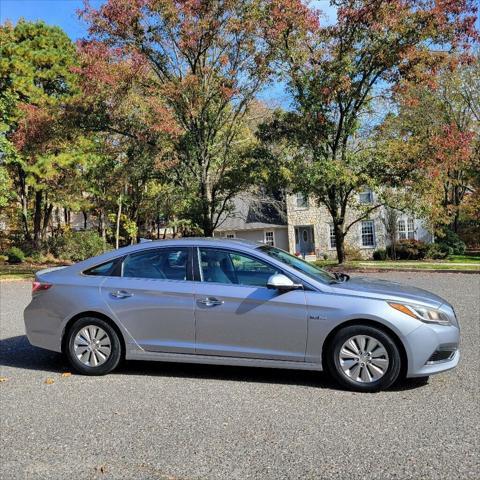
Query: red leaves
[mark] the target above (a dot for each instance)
(34, 129)
(452, 147)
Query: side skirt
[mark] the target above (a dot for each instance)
(214, 360)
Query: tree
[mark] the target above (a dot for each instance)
(35, 82)
(334, 74)
(433, 141)
(206, 60)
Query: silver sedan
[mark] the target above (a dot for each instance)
(233, 302)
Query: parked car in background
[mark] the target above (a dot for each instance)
(234, 302)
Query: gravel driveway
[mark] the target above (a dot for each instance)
(167, 421)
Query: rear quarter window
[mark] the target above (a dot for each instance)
(102, 270)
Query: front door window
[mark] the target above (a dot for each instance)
(228, 267)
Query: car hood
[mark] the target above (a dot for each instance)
(386, 290)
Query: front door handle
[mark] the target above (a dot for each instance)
(210, 302)
(121, 294)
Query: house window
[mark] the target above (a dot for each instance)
(333, 240)
(406, 229)
(230, 235)
(365, 196)
(402, 234)
(302, 200)
(410, 228)
(269, 239)
(368, 233)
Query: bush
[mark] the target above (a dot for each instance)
(352, 253)
(76, 246)
(15, 255)
(451, 242)
(438, 252)
(380, 254)
(409, 249)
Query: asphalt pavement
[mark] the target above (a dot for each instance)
(178, 421)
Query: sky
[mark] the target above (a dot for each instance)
(64, 14)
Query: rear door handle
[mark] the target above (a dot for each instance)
(121, 294)
(210, 302)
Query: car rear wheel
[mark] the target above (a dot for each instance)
(93, 346)
(364, 358)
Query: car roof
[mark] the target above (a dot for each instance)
(210, 241)
(147, 245)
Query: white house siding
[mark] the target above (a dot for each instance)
(258, 235)
(319, 219)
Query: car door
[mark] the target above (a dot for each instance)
(153, 299)
(237, 315)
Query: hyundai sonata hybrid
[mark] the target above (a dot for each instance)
(233, 302)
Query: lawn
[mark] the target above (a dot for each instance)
(21, 271)
(456, 262)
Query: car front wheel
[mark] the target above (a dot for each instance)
(93, 346)
(364, 358)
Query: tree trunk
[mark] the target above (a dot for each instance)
(117, 230)
(24, 202)
(340, 242)
(85, 219)
(37, 219)
(47, 214)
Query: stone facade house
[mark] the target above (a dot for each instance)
(310, 231)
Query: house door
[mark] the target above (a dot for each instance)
(304, 244)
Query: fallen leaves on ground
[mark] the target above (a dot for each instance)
(49, 381)
(3, 379)
(66, 374)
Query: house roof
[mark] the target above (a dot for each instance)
(252, 213)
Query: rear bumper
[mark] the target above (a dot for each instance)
(42, 329)
(423, 342)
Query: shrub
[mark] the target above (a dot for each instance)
(380, 254)
(76, 246)
(15, 255)
(409, 249)
(438, 252)
(451, 242)
(353, 253)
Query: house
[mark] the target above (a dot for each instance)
(311, 233)
(256, 219)
(304, 228)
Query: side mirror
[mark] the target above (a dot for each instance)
(281, 282)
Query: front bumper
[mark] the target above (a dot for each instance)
(424, 342)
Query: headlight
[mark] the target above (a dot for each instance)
(424, 314)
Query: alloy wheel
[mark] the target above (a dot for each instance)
(363, 359)
(92, 346)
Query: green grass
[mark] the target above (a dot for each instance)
(470, 264)
(464, 259)
(21, 271)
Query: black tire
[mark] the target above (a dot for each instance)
(115, 347)
(334, 367)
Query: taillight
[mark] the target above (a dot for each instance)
(39, 286)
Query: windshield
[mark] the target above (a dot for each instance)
(298, 264)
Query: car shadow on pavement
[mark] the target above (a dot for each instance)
(17, 352)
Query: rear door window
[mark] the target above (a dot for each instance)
(159, 264)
